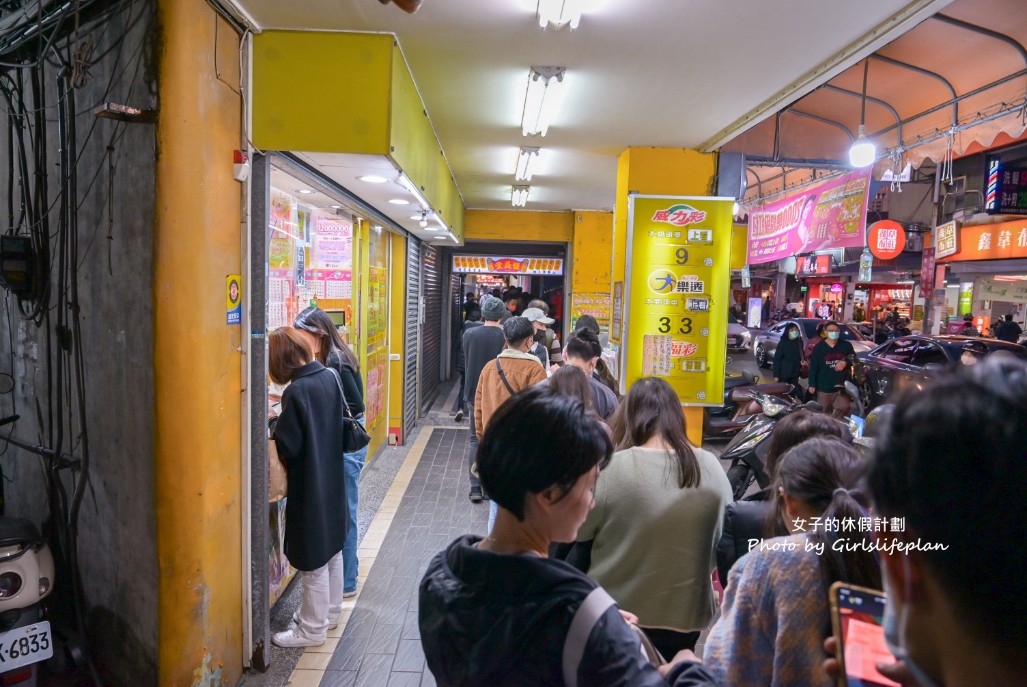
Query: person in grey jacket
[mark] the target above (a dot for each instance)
(481, 345)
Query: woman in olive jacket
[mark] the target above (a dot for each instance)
(309, 439)
(788, 356)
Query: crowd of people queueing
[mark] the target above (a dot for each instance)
(606, 526)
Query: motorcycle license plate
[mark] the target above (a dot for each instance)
(25, 645)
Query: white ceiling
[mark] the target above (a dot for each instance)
(669, 73)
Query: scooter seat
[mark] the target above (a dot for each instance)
(775, 389)
(17, 531)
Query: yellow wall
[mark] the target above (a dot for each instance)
(316, 91)
(660, 171)
(518, 225)
(397, 332)
(592, 252)
(197, 384)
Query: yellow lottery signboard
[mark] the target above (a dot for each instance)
(677, 294)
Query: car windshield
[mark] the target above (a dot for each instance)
(955, 349)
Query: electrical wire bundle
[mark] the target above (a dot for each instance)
(56, 43)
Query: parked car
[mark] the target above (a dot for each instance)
(739, 338)
(765, 344)
(909, 361)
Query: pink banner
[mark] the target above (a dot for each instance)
(829, 215)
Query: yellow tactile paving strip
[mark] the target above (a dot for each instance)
(312, 664)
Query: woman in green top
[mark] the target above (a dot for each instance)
(657, 520)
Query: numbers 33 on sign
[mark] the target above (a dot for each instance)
(25, 645)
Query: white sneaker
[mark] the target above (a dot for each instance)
(292, 638)
(333, 621)
(349, 594)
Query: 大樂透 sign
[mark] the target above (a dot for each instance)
(677, 294)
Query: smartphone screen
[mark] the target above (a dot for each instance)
(860, 619)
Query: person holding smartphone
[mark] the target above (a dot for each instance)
(775, 614)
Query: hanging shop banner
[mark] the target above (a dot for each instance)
(676, 305)
(927, 271)
(1000, 241)
(946, 240)
(1005, 289)
(829, 215)
(464, 264)
(595, 304)
(886, 239)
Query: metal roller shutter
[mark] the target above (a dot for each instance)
(413, 299)
(456, 319)
(431, 326)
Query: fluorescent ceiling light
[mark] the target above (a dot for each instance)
(371, 179)
(519, 197)
(304, 191)
(405, 182)
(526, 160)
(557, 13)
(546, 87)
(399, 201)
(863, 152)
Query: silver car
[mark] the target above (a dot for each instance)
(766, 341)
(739, 338)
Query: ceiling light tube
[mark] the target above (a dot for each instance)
(519, 197)
(558, 13)
(526, 160)
(405, 182)
(543, 99)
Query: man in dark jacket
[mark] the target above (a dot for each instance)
(480, 346)
(1008, 330)
(829, 368)
(473, 320)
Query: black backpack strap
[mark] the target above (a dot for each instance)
(499, 369)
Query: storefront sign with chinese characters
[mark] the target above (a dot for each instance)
(1007, 188)
(1001, 241)
(469, 264)
(886, 239)
(927, 271)
(946, 240)
(676, 305)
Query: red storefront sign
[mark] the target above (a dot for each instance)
(886, 239)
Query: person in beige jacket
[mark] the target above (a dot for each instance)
(513, 370)
(519, 368)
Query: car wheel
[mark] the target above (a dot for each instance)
(761, 356)
(740, 477)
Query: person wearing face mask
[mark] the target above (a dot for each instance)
(973, 351)
(539, 322)
(829, 368)
(788, 357)
(582, 351)
(955, 617)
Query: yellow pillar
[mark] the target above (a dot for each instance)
(197, 363)
(397, 333)
(660, 171)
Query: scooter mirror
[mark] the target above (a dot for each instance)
(6, 383)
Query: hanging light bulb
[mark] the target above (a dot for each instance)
(863, 151)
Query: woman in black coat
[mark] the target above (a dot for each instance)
(788, 356)
(309, 438)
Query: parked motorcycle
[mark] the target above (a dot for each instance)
(26, 578)
(739, 405)
(747, 451)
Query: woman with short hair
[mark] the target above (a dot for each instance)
(309, 437)
(657, 521)
(497, 610)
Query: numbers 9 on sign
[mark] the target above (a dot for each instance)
(681, 256)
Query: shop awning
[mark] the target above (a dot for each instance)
(957, 80)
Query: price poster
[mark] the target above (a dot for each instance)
(677, 294)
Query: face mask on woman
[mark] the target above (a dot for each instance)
(833, 336)
(794, 334)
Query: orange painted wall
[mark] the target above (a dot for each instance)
(197, 364)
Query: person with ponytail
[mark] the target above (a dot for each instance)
(776, 615)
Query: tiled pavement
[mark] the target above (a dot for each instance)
(380, 645)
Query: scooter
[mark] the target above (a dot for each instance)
(747, 451)
(26, 578)
(739, 405)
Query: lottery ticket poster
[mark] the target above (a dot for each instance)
(677, 294)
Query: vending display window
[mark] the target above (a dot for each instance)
(375, 352)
